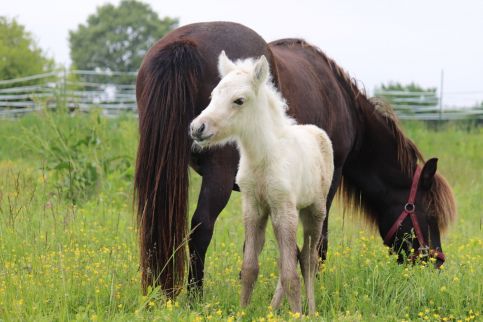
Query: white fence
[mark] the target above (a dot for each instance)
(114, 92)
(428, 106)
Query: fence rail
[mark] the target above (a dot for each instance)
(114, 92)
(427, 106)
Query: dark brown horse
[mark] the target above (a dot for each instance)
(374, 161)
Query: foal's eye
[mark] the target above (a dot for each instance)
(239, 101)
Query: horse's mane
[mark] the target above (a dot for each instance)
(439, 200)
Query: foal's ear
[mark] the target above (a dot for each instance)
(428, 172)
(225, 65)
(261, 71)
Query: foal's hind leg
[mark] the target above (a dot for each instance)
(255, 224)
(312, 220)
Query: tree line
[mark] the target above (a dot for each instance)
(114, 38)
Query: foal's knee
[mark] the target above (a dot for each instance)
(249, 273)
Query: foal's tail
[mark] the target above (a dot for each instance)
(167, 87)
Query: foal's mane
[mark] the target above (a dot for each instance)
(440, 201)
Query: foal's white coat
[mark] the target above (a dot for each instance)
(284, 169)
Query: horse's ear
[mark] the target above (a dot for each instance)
(428, 172)
(261, 71)
(225, 65)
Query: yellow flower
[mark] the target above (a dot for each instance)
(169, 305)
(295, 315)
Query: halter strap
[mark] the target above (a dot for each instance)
(410, 210)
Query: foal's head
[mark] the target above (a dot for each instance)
(233, 102)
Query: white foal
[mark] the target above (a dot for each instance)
(284, 168)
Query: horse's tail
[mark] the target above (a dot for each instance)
(167, 87)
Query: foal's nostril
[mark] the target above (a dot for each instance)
(197, 132)
(201, 129)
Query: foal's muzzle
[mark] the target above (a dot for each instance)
(198, 132)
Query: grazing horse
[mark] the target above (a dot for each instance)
(284, 168)
(374, 162)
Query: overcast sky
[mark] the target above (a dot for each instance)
(375, 41)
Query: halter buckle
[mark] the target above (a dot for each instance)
(424, 251)
(410, 207)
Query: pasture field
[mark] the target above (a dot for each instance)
(68, 243)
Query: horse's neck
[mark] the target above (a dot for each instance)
(375, 166)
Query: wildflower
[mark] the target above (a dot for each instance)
(295, 315)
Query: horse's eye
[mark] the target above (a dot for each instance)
(239, 101)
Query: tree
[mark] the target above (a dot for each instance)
(116, 38)
(19, 53)
(410, 98)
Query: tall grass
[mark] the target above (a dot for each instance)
(68, 244)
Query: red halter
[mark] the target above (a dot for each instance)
(410, 209)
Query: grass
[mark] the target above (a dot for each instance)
(68, 244)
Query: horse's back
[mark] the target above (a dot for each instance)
(208, 39)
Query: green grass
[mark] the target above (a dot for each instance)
(68, 244)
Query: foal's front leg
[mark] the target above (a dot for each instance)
(284, 222)
(255, 222)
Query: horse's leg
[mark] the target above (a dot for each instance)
(284, 222)
(312, 220)
(278, 294)
(216, 187)
(330, 197)
(255, 224)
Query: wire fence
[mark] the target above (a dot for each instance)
(114, 93)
